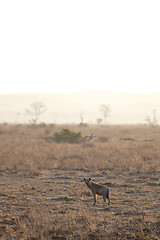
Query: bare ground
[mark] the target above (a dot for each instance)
(57, 204)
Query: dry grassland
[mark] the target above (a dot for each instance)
(43, 196)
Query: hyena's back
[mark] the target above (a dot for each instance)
(100, 189)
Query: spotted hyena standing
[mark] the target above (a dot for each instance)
(98, 189)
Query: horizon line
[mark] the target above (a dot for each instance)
(80, 91)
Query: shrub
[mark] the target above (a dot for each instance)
(66, 135)
(83, 125)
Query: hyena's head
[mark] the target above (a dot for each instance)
(88, 181)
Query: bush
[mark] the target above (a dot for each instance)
(66, 135)
(83, 125)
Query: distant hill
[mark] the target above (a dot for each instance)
(66, 108)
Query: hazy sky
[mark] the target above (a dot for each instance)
(67, 46)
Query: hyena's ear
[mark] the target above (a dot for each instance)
(90, 179)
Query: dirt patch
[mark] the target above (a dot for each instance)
(67, 206)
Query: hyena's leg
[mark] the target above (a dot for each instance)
(94, 199)
(104, 197)
(107, 195)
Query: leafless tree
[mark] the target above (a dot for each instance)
(36, 109)
(99, 121)
(152, 120)
(105, 109)
(82, 117)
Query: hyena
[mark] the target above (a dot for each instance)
(98, 189)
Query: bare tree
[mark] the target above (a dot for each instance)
(99, 121)
(152, 120)
(82, 117)
(36, 109)
(105, 109)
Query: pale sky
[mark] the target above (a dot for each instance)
(69, 46)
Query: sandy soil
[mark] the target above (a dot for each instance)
(58, 204)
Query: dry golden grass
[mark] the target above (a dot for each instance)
(43, 196)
